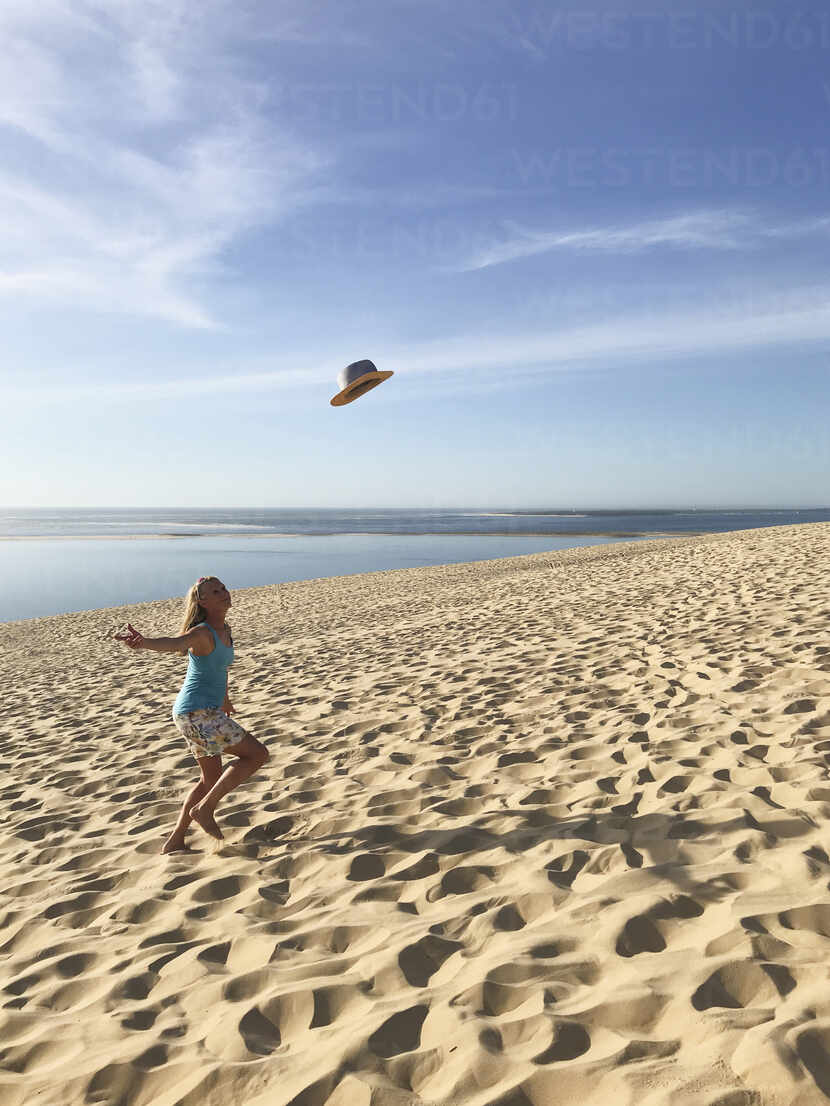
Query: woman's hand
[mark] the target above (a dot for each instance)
(132, 638)
(228, 707)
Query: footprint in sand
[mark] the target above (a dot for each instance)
(744, 983)
(643, 934)
(420, 961)
(400, 1033)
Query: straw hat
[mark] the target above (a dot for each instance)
(355, 379)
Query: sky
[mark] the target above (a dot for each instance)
(590, 241)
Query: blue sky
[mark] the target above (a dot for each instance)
(591, 242)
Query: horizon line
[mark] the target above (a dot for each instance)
(374, 507)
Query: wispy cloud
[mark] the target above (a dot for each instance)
(711, 230)
(148, 152)
(475, 361)
(617, 341)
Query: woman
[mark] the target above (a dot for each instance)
(202, 708)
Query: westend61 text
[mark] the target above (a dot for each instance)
(442, 102)
(748, 28)
(592, 167)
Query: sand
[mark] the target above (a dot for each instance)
(551, 829)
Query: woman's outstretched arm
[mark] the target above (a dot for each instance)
(195, 639)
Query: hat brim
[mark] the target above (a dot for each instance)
(359, 387)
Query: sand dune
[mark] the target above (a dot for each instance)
(537, 831)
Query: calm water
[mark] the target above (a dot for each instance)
(49, 574)
(42, 577)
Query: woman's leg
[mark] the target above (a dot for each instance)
(211, 769)
(251, 754)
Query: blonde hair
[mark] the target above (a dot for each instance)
(194, 612)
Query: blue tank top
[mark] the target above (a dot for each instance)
(206, 680)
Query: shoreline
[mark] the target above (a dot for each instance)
(647, 540)
(247, 564)
(496, 565)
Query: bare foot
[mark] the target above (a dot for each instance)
(205, 819)
(175, 844)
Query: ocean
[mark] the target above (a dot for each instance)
(59, 561)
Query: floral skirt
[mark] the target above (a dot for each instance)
(208, 733)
